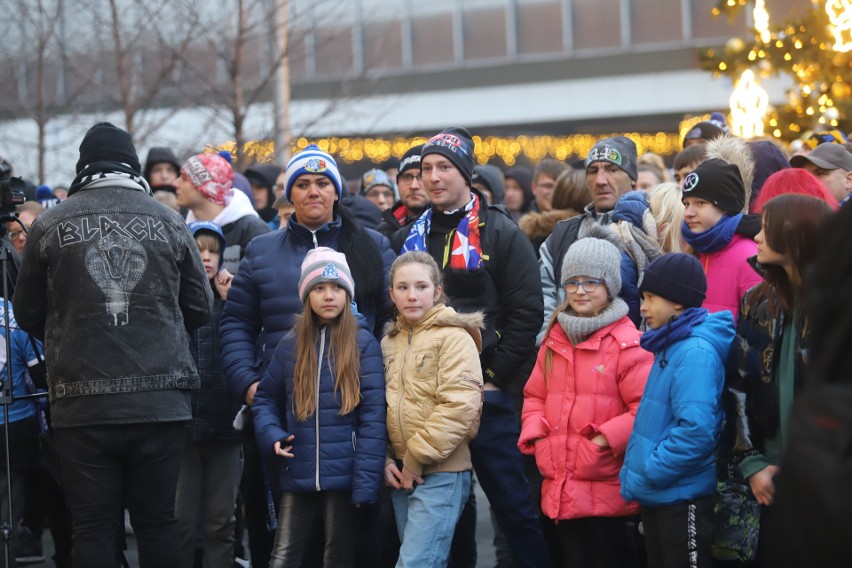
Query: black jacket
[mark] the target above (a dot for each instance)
(213, 405)
(112, 280)
(507, 289)
(390, 223)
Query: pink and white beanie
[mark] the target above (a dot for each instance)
(324, 264)
(211, 175)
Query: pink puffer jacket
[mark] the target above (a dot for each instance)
(729, 275)
(594, 388)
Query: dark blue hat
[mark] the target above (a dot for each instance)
(198, 226)
(677, 277)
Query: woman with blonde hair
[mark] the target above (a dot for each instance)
(666, 205)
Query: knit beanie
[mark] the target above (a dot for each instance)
(324, 264)
(677, 277)
(410, 160)
(211, 175)
(619, 150)
(210, 227)
(718, 182)
(312, 160)
(455, 144)
(374, 177)
(706, 131)
(595, 258)
(105, 142)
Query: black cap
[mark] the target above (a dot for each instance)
(455, 144)
(718, 182)
(410, 160)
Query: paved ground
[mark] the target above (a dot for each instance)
(484, 534)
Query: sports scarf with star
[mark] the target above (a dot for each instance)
(466, 251)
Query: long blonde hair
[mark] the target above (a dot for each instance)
(666, 204)
(343, 357)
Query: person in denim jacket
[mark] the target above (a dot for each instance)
(116, 346)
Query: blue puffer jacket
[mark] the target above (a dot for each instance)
(331, 452)
(264, 298)
(670, 456)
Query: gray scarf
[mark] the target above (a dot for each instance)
(579, 328)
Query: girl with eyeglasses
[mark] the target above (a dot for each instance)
(579, 406)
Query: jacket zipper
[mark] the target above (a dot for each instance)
(317, 409)
(402, 383)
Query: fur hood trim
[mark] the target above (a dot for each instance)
(442, 315)
(735, 151)
(539, 225)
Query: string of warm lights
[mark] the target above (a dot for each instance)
(814, 48)
(508, 149)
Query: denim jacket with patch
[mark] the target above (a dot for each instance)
(112, 280)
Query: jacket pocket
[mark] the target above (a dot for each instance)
(595, 463)
(544, 457)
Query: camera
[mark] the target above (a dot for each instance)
(11, 195)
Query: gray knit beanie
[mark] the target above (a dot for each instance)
(595, 258)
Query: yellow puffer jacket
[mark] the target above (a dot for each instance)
(434, 389)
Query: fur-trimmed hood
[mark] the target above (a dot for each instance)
(442, 315)
(539, 225)
(735, 151)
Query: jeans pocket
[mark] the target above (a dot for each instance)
(595, 463)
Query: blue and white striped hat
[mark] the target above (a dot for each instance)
(312, 160)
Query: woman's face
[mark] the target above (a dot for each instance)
(765, 253)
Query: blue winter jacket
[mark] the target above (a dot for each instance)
(264, 298)
(671, 453)
(331, 452)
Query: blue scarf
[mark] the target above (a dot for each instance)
(715, 238)
(679, 327)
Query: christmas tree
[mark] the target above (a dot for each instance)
(813, 47)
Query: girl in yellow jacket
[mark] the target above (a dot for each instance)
(434, 396)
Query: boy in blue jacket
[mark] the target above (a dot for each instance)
(670, 464)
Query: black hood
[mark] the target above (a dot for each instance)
(159, 155)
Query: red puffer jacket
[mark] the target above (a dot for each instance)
(594, 388)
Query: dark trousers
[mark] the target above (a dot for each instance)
(680, 535)
(105, 467)
(595, 542)
(299, 511)
(499, 468)
(255, 500)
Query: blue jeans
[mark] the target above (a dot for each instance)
(499, 467)
(105, 468)
(426, 518)
(206, 496)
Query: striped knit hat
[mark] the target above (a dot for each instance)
(324, 264)
(312, 160)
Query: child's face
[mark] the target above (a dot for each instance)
(328, 299)
(413, 292)
(700, 215)
(211, 261)
(589, 298)
(657, 310)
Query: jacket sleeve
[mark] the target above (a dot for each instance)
(634, 366)
(534, 424)
(371, 448)
(239, 329)
(522, 307)
(195, 296)
(630, 288)
(31, 285)
(458, 404)
(549, 287)
(696, 388)
(270, 402)
(388, 256)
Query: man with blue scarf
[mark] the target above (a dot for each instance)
(670, 464)
(721, 236)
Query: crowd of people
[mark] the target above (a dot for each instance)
(631, 360)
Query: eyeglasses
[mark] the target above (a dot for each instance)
(380, 193)
(408, 178)
(17, 233)
(571, 286)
